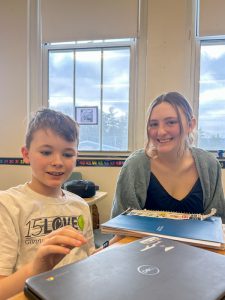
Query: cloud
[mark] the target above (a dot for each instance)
(213, 51)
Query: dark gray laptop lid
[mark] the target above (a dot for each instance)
(151, 268)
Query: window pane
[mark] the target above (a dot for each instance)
(88, 93)
(116, 69)
(211, 126)
(90, 76)
(61, 68)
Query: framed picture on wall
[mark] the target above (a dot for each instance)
(86, 115)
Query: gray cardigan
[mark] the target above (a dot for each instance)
(134, 177)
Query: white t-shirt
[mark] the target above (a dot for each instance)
(26, 217)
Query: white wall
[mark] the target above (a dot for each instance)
(13, 75)
(169, 47)
(169, 59)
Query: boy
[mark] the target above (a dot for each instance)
(41, 225)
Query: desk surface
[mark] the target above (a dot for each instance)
(98, 196)
(123, 241)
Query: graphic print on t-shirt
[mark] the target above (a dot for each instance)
(37, 228)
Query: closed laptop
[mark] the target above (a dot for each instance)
(150, 268)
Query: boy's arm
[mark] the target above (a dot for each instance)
(13, 284)
(54, 247)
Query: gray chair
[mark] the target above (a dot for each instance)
(100, 238)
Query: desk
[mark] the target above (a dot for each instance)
(19, 296)
(98, 196)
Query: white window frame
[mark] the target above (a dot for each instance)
(131, 43)
(36, 74)
(197, 59)
(199, 41)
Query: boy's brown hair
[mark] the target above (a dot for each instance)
(58, 122)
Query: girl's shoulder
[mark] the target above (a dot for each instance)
(137, 158)
(204, 157)
(138, 154)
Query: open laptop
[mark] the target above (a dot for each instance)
(151, 268)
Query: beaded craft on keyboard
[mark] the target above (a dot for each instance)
(169, 214)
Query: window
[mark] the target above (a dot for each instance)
(93, 74)
(211, 124)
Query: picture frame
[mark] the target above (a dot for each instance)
(86, 115)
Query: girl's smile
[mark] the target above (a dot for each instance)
(166, 132)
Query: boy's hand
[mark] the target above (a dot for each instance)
(55, 246)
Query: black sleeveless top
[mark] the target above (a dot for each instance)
(159, 199)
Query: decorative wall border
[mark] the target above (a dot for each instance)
(81, 162)
(100, 162)
(17, 161)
